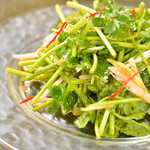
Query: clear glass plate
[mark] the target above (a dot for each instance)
(20, 128)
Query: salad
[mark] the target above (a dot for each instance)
(94, 65)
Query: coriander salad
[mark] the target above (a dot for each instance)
(95, 66)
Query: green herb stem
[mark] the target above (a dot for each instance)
(95, 38)
(40, 71)
(95, 4)
(17, 72)
(60, 13)
(110, 48)
(104, 121)
(92, 79)
(95, 106)
(74, 51)
(50, 46)
(82, 96)
(51, 80)
(121, 55)
(96, 127)
(119, 116)
(111, 124)
(43, 105)
(80, 7)
(131, 45)
(27, 62)
(95, 63)
(80, 81)
(47, 60)
(141, 54)
(88, 26)
(78, 25)
(47, 54)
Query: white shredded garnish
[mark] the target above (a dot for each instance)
(58, 82)
(85, 77)
(78, 69)
(146, 55)
(96, 48)
(25, 56)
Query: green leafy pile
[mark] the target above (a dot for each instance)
(74, 68)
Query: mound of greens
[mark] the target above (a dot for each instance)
(86, 62)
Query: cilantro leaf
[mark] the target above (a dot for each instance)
(79, 40)
(55, 92)
(54, 107)
(60, 51)
(133, 128)
(63, 36)
(108, 89)
(98, 22)
(121, 32)
(86, 117)
(134, 107)
(62, 95)
(69, 101)
(110, 27)
(102, 68)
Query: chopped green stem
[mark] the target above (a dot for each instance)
(94, 49)
(131, 45)
(92, 79)
(80, 7)
(27, 62)
(47, 60)
(74, 51)
(94, 66)
(104, 121)
(51, 80)
(78, 25)
(50, 46)
(42, 70)
(118, 116)
(110, 48)
(121, 101)
(96, 127)
(114, 102)
(88, 26)
(82, 96)
(21, 73)
(37, 64)
(95, 38)
(121, 55)
(111, 124)
(141, 54)
(60, 13)
(43, 105)
(81, 81)
(17, 72)
(95, 4)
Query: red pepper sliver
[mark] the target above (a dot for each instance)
(22, 70)
(98, 12)
(126, 82)
(26, 100)
(133, 13)
(61, 29)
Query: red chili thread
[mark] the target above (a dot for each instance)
(22, 70)
(26, 100)
(98, 12)
(133, 13)
(61, 29)
(126, 82)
